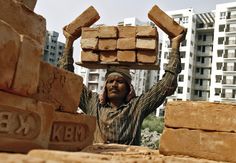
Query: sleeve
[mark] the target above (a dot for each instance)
(153, 98)
(88, 101)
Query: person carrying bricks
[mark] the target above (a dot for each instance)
(118, 111)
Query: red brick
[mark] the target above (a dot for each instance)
(89, 32)
(89, 43)
(25, 123)
(23, 20)
(27, 71)
(89, 56)
(107, 44)
(85, 19)
(147, 31)
(219, 146)
(72, 132)
(165, 22)
(60, 87)
(146, 56)
(201, 115)
(108, 56)
(126, 56)
(126, 43)
(28, 3)
(146, 43)
(107, 32)
(126, 31)
(9, 52)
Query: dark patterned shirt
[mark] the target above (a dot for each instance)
(123, 124)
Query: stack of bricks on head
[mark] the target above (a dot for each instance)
(127, 45)
(130, 44)
(38, 102)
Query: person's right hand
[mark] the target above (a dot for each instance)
(175, 42)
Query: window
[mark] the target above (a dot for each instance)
(199, 48)
(182, 54)
(199, 37)
(181, 78)
(196, 81)
(185, 20)
(195, 92)
(203, 48)
(180, 90)
(183, 66)
(217, 91)
(219, 66)
(204, 38)
(188, 90)
(200, 94)
(222, 15)
(201, 82)
(219, 53)
(218, 78)
(189, 66)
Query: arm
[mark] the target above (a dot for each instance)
(150, 100)
(88, 101)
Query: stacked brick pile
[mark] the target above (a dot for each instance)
(100, 153)
(122, 44)
(201, 130)
(38, 102)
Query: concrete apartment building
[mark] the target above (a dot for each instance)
(223, 79)
(53, 49)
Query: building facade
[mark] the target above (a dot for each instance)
(223, 79)
(53, 49)
(208, 55)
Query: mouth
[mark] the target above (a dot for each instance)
(113, 91)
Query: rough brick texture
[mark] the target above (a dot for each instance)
(60, 87)
(89, 43)
(89, 32)
(107, 32)
(201, 115)
(9, 52)
(219, 146)
(146, 56)
(86, 19)
(165, 22)
(108, 56)
(25, 123)
(27, 71)
(126, 56)
(89, 56)
(107, 44)
(71, 132)
(146, 43)
(126, 43)
(28, 3)
(146, 31)
(126, 31)
(23, 20)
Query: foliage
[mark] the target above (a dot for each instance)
(153, 123)
(152, 127)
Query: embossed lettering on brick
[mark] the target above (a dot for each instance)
(69, 132)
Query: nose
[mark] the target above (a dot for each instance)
(114, 83)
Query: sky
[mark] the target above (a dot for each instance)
(59, 13)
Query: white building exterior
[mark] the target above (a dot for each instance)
(223, 78)
(53, 49)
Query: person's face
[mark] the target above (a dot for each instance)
(117, 88)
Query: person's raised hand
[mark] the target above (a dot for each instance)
(175, 42)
